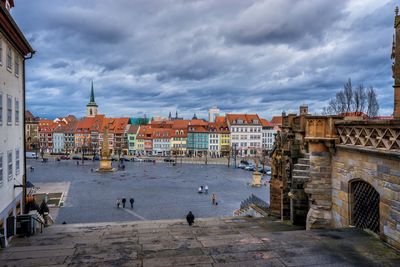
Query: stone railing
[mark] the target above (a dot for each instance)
(380, 134)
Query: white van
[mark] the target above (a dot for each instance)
(31, 155)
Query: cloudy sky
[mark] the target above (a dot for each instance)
(152, 57)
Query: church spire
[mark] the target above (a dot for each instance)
(92, 94)
(91, 107)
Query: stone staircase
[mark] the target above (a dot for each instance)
(301, 170)
(253, 207)
(298, 198)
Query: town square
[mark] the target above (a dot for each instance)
(199, 133)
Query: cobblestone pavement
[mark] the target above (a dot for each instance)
(161, 191)
(210, 242)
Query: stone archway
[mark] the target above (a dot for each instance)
(364, 206)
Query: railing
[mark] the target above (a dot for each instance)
(379, 136)
(254, 200)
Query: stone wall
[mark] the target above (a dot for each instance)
(319, 187)
(382, 171)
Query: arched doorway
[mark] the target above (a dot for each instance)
(364, 203)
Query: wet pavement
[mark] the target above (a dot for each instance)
(210, 242)
(161, 191)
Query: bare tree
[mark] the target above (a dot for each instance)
(348, 95)
(372, 103)
(350, 100)
(360, 98)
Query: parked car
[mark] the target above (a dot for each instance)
(31, 155)
(250, 167)
(64, 157)
(268, 172)
(76, 158)
(243, 164)
(96, 157)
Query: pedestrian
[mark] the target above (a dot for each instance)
(123, 202)
(214, 199)
(118, 202)
(190, 218)
(131, 201)
(77, 163)
(91, 169)
(200, 190)
(206, 189)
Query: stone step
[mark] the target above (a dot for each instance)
(304, 161)
(300, 179)
(301, 167)
(301, 172)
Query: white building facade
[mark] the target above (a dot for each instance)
(13, 49)
(58, 142)
(246, 134)
(214, 147)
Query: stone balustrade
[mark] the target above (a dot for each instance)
(381, 135)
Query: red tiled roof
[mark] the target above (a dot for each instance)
(246, 118)
(180, 124)
(133, 129)
(266, 123)
(145, 132)
(198, 122)
(161, 133)
(220, 119)
(218, 127)
(47, 125)
(197, 128)
(117, 125)
(276, 120)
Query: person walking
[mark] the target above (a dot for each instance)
(190, 218)
(206, 189)
(118, 202)
(123, 202)
(131, 201)
(214, 199)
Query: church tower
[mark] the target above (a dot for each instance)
(91, 107)
(396, 65)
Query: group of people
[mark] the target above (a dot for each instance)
(203, 189)
(123, 201)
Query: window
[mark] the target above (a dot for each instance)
(16, 111)
(17, 162)
(1, 169)
(16, 67)
(9, 58)
(9, 110)
(1, 109)
(10, 166)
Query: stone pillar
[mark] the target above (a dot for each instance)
(319, 187)
(396, 112)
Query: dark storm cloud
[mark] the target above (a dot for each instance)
(152, 57)
(285, 22)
